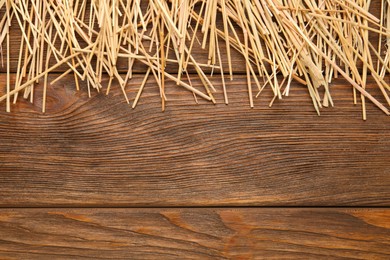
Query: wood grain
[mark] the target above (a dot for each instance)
(195, 234)
(100, 152)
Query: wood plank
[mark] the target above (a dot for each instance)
(195, 233)
(98, 151)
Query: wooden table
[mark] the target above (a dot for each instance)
(93, 178)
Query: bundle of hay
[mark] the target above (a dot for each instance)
(281, 41)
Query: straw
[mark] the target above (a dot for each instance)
(279, 41)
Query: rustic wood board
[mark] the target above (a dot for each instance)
(100, 152)
(195, 233)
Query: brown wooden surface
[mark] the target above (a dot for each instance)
(100, 152)
(195, 233)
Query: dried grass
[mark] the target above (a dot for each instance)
(311, 42)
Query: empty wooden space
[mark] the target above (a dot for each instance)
(100, 153)
(226, 233)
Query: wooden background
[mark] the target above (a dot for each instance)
(93, 178)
